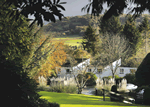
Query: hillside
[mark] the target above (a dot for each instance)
(77, 24)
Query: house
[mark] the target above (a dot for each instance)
(66, 71)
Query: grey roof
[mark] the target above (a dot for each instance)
(79, 60)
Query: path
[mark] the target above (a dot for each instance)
(88, 91)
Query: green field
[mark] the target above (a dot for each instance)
(70, 40)
(81, 100)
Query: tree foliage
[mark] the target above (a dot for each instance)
(39, 8)
(79, 53)
(35, 8)
(114, 48)
(132, 34)
(115, 9)
(144, 27)
(112, 25)
(15, 40)
(142, 73)
(56, 59)
(90, 40)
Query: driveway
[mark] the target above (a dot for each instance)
(88, 91)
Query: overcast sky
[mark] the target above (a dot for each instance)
(73, 7)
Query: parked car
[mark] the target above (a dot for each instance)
(131, 87)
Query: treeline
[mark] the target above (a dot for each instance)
(78, 24)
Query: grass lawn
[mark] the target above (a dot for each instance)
(81, 100)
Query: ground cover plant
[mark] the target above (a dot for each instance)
(81, 100)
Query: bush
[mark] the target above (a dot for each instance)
(117, 79)
(146, 96)
(92, 80)
(130, 78)
(62, 88)
(45, 103)
(100, 91)
(142, 73)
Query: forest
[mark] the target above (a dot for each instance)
(78, 24)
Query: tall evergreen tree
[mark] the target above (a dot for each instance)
(132, 34)
(90, 40)
(112, 25)
(144, 28)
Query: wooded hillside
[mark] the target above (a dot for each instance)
(78, 24)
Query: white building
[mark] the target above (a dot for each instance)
(66, 71)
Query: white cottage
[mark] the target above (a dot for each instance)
(65, 70)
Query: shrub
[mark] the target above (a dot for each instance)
(89, 82)
(100, 91)
(146, 96)
(92, 80)
(117, 79)
(142, 73)
(62, 88)
(130, 78)
(45, 103)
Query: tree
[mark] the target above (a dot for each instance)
(56, 59)
(145, 28)
(142, 73)
(115, 9)
(114, 48)
(79, 73)
(90, 40)
(132, 34)
(38, 8)
(112, 25)
(79, 53)
(41, 48)
(15, 39)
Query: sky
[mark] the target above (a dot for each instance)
(73, 8)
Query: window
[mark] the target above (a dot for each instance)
(99, 71)
(121, 71)
(68, 71)
(89, 70)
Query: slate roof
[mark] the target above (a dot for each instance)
(67, 64)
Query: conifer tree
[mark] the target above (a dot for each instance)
(112, 25)
(90, 40)
(144, 28)
(132, 34)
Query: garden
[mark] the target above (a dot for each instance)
(67, 96)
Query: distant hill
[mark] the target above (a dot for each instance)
(78, 24)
